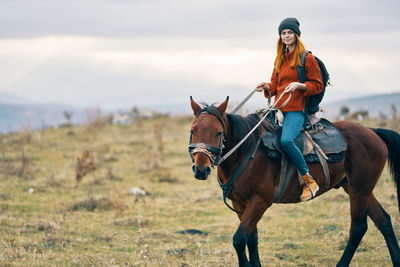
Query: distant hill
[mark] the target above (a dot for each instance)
(374, 104)
(17, 113)
(14, 117)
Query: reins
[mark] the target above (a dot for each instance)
(227, 187)
(230, 152)
(247, 99)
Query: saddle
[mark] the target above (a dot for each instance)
(324, 136)
(321, 143)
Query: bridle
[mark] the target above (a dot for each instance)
(208, 149)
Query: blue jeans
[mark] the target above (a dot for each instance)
(292, 125)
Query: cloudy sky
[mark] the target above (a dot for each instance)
(156, 53)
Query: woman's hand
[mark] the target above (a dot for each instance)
(262, 86)
(294, 86)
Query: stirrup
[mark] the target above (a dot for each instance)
(312, 195)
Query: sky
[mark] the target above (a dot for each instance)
(156, 53)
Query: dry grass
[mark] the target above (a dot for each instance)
(102, 224)
(84, 165)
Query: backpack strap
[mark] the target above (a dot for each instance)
(301, 72)
(301, 69)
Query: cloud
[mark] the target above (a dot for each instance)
(87, 71)
(229, 67)
(124, 53)
(20, 57)
(207, 18)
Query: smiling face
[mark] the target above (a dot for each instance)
(288, 37)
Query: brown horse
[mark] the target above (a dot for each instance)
(214, 132)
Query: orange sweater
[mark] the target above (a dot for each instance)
(287, 75)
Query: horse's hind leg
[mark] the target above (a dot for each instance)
(358, 210)
(382, 221)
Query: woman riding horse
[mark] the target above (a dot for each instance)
(284, 79)
(214, 133)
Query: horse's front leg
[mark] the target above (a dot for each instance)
(252, 244)
(239, 243)
(246, 234)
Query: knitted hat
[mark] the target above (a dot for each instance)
(290, 23)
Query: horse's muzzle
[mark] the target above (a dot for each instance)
(201, 174)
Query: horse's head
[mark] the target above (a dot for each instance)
(206, 137)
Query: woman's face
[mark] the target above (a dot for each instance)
(288, 37)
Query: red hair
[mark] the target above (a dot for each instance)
(280, 55)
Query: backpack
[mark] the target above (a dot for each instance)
(312, 102)
(301, 70)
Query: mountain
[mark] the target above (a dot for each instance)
(375, 105)
(11, 98)
(14, 117)
(16, 113)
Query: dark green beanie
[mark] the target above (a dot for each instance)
(290, 23)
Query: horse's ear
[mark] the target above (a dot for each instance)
(195, 107)
(222, 107)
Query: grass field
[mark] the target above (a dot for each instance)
(46, 220)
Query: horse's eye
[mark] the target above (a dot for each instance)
(191, 132)
(219, 134)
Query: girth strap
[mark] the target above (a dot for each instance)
(287, 168)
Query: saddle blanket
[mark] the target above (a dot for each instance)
(324, 133)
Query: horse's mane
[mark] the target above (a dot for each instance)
(240, 127)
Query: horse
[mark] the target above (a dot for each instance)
(214, 132)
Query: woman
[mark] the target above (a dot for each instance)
(284, 80)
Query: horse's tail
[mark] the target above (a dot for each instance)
(392, 141)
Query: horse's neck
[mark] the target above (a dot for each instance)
(228, 143)
(228, 166)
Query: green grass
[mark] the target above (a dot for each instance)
(100, 223)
